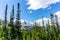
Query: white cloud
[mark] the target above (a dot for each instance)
(50, 8)
(58, 14)
(39, 21)
(30, 11)
(22, 21)
(38, 4)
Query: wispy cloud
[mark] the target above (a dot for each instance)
(38, 4)
(30, 11)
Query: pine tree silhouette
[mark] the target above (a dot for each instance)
(52, 19)
(5, 23)
(12, 34)
(57, 25)
(43, 22)
(18, 23)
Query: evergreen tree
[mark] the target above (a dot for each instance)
(5, 23)
(53, 26)
(12, 33)
(52, 19)
(18, 23)
(56, 21)
(57, 25)
(0, 22)
(43, 23)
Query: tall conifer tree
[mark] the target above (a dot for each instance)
(5, 23)
(52, 19)
(18, 23)
(12, 34)
(56, 20)
(57, 23)
(43, 22)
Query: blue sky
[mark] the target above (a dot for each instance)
(33, 13)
